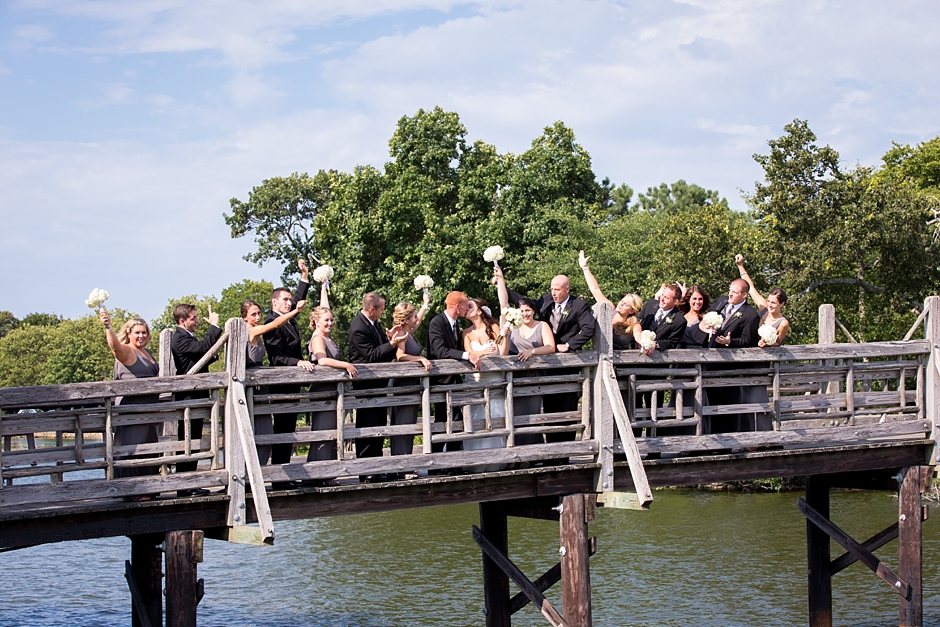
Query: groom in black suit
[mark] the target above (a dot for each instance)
(187, 351)
(739, 330)
(444, 343)
(668, 323)
(285, 348)
(572, 324)
(370, 344)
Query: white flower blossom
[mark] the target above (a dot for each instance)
(97, 298)
(423, 282)
(493, 253)
(767, 333)
(323, 273)
(713, 320)
(648, 340)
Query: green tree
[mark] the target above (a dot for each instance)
(229, 305)
(8, 322)
(41, 320)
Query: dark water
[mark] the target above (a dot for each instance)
(698, 558)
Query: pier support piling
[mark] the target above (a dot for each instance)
(911, 515)
(183, 552)
(494, 526)
(576, 511)
(819, 575)
(147, 569)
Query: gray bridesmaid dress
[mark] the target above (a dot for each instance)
(408, 414)
(136, 434)
(526, 405)
(323, 420)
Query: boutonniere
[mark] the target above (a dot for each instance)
(669, 319)
(564, 313)
(737, 314)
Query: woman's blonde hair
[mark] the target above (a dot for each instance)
(125, 334)
(316, 314)
(402, 312)
(624, 326)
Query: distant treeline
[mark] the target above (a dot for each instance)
(862, 238)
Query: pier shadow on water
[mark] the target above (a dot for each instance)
(699, 558)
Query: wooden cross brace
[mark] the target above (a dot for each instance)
(546, 581)
(858, 551)
(529, 589)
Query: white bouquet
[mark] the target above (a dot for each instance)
(494, 254)
(712, 321)
(96, 298)
(647, 340)
(323, 274)
(767, 333)
(423, 282)
(513, 316)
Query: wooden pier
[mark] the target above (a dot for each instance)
(842, 415)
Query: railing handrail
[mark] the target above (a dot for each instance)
(795, 352)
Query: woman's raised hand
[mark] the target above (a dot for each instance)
(301, 304)
(105, 318)
(739, 259)
(582, 260)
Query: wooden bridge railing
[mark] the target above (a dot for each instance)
(838, 390)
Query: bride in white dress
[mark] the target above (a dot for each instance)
(482, 339)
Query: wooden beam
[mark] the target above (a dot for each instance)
(882, 570)
(575, 562)
(546, 581)
(603, 414)
(872, 544)
(494, 526)
(819, 584)
(519, 578)
(144, 573)
(910, 538)
(932, 384)
(183, 552)
(628, 442)
(235, 366)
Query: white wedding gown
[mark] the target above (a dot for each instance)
(478, 412)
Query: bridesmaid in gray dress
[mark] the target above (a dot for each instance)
(409, 319)
(133, 361)
(251, 314)
(324, 352)
(534, 337)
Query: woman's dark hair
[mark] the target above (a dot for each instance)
(531, 304)
(246, 307)
(487, 318)
(780, 294)
(684, 305)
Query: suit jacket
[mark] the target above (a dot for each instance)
(577, 326)
(187, 350)
(368, 343)
(668, 334)
(442, 344)
(649, 307)
(743, 327)
(283, 344)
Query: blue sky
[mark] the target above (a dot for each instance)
(126, 127)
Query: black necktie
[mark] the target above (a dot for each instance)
(453, 328)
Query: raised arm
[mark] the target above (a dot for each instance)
(759, 300)
(591, 281)
(122, 352)
(281, 320)
(425, 305)
(324, 296)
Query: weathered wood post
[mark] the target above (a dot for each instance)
(910, 524)
(235, 362)
(575, 555)
(183, 552)
(147, 566)
(932, 396)
(494, 526)
(819, 586)
(603, 430)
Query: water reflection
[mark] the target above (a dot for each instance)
(698, 558)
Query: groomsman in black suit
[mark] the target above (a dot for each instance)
(739, 330)
(285, 348)
(369, 343)
(444, 343)
(572, 324)
(187, 351)
(669, 325)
